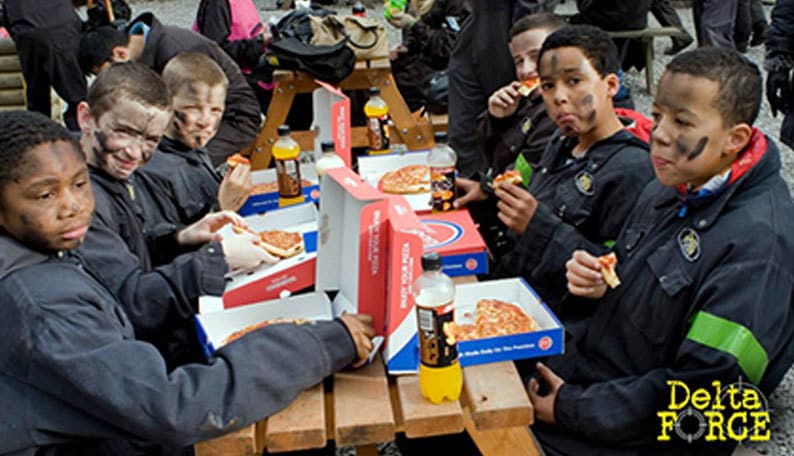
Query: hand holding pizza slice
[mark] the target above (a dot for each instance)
(512, 176)
(608, 263)
(528, 86)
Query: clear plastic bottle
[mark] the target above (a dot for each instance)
(377, 112)
(329, 158)
(442, 160)
(286, 152)
(440, 375)
(359, 9)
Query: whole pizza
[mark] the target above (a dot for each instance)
(406, 180)
(238, 334)
(493, 318)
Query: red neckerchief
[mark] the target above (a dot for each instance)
(748, 158)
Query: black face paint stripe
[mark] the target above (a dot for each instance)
(699, 147)
(587, 100)
(180, 116)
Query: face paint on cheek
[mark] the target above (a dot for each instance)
(179, 117)
(101, 149)
(699, 147)
(554, 63)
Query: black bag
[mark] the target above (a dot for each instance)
(331, 64)
(435, 90)
(98, 15)
(292, 49)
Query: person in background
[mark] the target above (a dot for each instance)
(779, 64)
(667, 16)
(714, 22)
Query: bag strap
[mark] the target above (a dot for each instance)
(340, 28)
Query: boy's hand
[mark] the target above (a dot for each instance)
(504, 102)
(206, 229)
(402, 20)
(235, 188)
(584, 276)
(361, 330)
(472, 192)
(516, 207)
(544, 405)
(242, 254)
(778, 91)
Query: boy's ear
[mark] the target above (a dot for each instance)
(613, 84)
(84, 119)
(120, 54)
(738, 137)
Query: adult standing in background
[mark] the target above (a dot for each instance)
(479, 64)
(47, 35)
(779, 65)
(714, 22)
(667, 16)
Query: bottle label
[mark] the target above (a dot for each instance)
(289, 178)
(442, 188)
(378, 133)
(437, 345)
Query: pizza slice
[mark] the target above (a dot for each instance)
(250, 328)
(235, 160)
(406, 180)
(508, 177)
(283, 244)
(500, 318)
(528, 86)
(608, 263)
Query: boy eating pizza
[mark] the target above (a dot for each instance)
(708, 276)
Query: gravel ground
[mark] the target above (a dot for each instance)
(182, 13)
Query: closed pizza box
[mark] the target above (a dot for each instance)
(214, 327)
(331, 120)
(272, 281)
(547, 341)
(373, 168)
(264, 196)
(456, 238)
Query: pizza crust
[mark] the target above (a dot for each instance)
(608, 263)
(407, 180)
(235, 160)
(528, 86)
(283, 244)
(508, 177)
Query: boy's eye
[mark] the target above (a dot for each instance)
(80, 183)
(546, 86)
(45, 195)
(682, 122)
(574, 81)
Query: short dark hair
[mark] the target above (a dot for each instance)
(545, 21)
(594, 43)
(189, 68)
(130, 80)
(21, 131)
(96, 46)
(739, 96)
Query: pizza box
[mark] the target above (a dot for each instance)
(271, 281)
(456, 238)
(331, 110)
(265, 198)
(373, 168)
(548, 341)
(214, 327)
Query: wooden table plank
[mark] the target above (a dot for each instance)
(362, 406)
(496, 396)
(301, 425)
(420, 417)
(242, 442)
(515, 441)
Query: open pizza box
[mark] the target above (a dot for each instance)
(264, 196)
(271, 281)
(331, 120)
(373, 168)
(215, 327)
(548, 341)
(455, 237)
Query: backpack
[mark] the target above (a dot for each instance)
(292, 49)
(98, 14)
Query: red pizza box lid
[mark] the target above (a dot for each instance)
(451, 232)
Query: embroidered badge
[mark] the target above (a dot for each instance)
(584, 183)
(526, 126)
(689, 243)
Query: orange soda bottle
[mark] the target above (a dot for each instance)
(288, 172)
(377, 112)
(440, 376)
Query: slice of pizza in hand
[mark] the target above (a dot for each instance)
(235, 160)
(508, 177)
(608, 263)
(283, 244)
(528, 86)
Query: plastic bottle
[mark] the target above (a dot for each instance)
(377, 112)
(287, 154)
(442, 161)
(359, 9)
(392, 7)
(329, 158)
(440, 376)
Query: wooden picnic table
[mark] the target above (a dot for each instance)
(415, 131)
(364, 407)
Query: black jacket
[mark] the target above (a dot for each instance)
(74, 374)
(214, 19)
(526, 132)
(26, 15)
(780, 55)
(178, 186)
(724, 267)
(581, 203)
(165, 41)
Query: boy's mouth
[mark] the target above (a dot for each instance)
(72, 234)
(659, 161)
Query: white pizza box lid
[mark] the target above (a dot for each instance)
(373, 168)
(271, 281)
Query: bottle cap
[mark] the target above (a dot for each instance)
(328, 146)
(283, 130)
(441, 137)
(374, 91)
(358, 7)
(431, 261)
